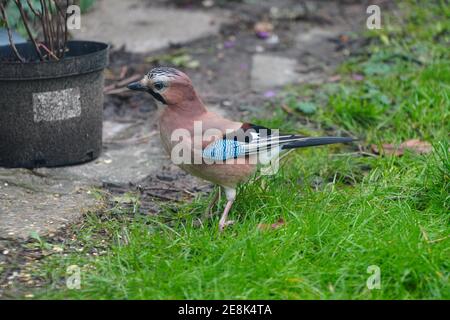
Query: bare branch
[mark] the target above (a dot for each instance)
(35, 12)
(27, 27)
(52, 15)
(10, 37)
(48, 51)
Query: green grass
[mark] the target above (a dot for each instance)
(343, 212)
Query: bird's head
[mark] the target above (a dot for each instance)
(167, 85)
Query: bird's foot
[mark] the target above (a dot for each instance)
(224, 224)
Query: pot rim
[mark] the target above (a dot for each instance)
(69, 66)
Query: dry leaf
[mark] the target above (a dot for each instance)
(414, 145)
(334, 78)
(417, 146)
(273, 226)
(387, 149)
(287, 109)
(344, 38)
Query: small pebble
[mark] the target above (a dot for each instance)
(208, 3)
(259, 49)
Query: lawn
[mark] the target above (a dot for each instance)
(342, 210)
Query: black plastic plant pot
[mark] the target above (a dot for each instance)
(51, 112)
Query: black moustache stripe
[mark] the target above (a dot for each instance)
(157, 96)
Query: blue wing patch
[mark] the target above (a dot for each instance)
(224, 149)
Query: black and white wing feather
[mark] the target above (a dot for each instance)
(257, 140)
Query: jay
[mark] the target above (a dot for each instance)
(224, 152)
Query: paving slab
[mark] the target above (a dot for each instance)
(47, 199)
(33, 203)
(131, 152)
(270, 71)
(141, 27)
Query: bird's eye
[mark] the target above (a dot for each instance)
(158, 85)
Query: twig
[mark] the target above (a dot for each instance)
(117, 91)
(155, 195)
(52, 26)
(35, 12)
(59, 30)
(8, 29)
(48, 24)
(27, 27)
(119, 87)
(66, 29)
(126, 81)
(48, 51)
(44, 26)
(44, 23)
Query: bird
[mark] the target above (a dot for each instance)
(209, 146)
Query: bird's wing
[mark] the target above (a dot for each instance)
(257, 140)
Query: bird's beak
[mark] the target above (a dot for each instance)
(141, 86)
(137, 86)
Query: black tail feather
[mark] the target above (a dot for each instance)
(316, 141)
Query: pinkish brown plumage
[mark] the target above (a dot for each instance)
(184, 109)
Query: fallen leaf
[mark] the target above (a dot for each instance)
(179, 58)
(387, 149)
(414, 145)
(57, 249)
(306, 107)
(357, 77)
(229, 44)
(287, 109)
(334, 78)
(273, 226)
(418, 146)
(270, 94)
(344, 38)
(127, 198)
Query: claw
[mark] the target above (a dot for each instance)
(223, 225)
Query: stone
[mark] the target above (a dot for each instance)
(142, 28)
(315, 36)
(270, 71)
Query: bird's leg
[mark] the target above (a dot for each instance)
(231, 196)
(212, 203)
(223, 220)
